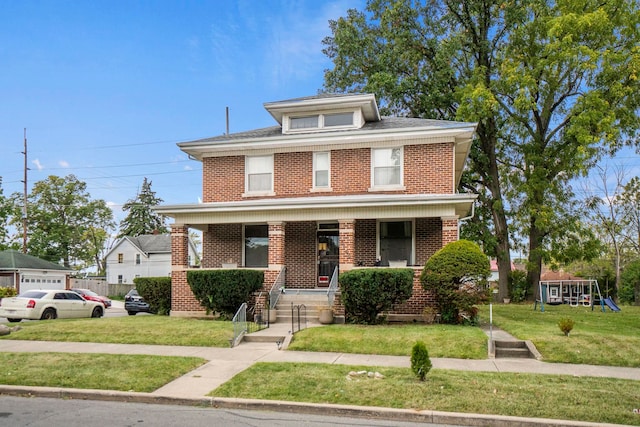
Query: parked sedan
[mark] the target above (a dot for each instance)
(134, 303)
(47, 305)
(92, 296)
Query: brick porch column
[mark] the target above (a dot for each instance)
(276, 245)
(183, 303)
(347, 239)
(449, 230)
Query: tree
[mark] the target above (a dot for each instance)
(61, 216)
(629, 203)
(630, 283)
(457, 274)
(422, 61)
(5, 215)
(141, 218)
(542, 79)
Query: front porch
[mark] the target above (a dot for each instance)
(302, 255)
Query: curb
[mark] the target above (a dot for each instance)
(367, 412)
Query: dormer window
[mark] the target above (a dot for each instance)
(319, 122)
(309, 122)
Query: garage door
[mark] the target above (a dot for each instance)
(30, 282)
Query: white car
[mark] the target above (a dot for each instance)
(47, 305)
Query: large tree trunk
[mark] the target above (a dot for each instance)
(534, 267)
(487, 138)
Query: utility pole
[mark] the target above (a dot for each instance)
(24, 209)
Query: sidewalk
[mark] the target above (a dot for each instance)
(224, 363)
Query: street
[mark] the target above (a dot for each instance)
(45, 412)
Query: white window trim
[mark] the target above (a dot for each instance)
(413, 237)
(248, 193)
(316, 188)
(394, 187)
(358, 121)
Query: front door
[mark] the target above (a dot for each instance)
(328, 254)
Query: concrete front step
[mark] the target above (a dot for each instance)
(512, 349)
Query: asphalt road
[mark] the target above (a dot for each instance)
(45, 412)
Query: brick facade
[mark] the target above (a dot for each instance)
(433, 153)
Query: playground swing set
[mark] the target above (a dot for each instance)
(576, 293)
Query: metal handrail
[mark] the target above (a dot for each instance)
(333, 287)
(239, 325)
(276, 289)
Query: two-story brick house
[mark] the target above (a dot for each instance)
(333, 184)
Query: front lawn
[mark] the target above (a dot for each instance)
(597, 338)
(602, 400)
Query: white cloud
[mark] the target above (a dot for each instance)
(37, 163)
(63, 164)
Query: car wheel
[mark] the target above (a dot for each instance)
(48, 314)
(97, 312)
(132, 313)
(14, 320)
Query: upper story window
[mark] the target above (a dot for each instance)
(137, 258)
(340, 119)
(304, 122)
(120, 258)
(321, 169)
(321, 121)
(386, 167)
(259, 174)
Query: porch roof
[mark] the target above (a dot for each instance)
(321, 208)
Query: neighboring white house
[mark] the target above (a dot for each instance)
(143, 256)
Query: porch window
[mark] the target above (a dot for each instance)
(396, 242)
(321, 168)
(259, 174)
(256, 245)
(386, 164)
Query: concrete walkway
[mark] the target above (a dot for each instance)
(224, 363)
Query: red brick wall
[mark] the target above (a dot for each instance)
(222, 178)
(221, 243)
(365, 242)
(428, 238)
(300, 254)
(419, 299)
(428, 168)
(293, 174)
(351, 171)
(276, 244)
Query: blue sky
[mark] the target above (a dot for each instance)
(105, 89)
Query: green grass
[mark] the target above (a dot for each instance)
(601, 400)
(160, 330)
(441, 340)
(597, 338)
(139, 373)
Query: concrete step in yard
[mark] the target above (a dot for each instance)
(512, 349)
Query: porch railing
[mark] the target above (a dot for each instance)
(333, 287)
(239, 325)
(276, 289)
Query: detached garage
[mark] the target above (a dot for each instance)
(25, 272)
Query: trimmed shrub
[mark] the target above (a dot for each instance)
(157, 292)
(566, 325)
(457, 274)
(368, 292)
(420, 362)
(224, 291)
(7, 292)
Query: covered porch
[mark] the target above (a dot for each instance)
(310, 237)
